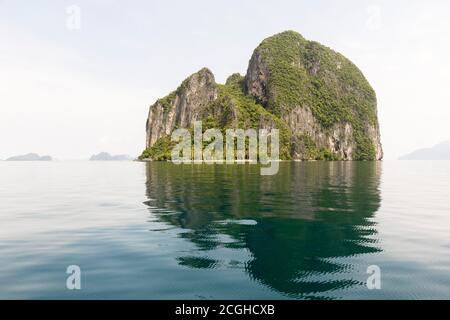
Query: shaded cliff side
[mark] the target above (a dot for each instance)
(320, 101)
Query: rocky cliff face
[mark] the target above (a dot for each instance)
(320, 101)
(182, 107)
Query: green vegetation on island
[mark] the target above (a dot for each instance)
(320, 101)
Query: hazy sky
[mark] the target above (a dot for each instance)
(74, 92)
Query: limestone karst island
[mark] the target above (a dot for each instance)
(320, 102)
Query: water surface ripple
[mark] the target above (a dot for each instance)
(164, 231)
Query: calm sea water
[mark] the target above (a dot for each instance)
(162, 231)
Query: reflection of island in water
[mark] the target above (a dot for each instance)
(295, 224)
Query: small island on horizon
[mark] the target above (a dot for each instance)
(105, 156)
(440, 151)
(30, 157)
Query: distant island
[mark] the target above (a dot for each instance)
(440, 151)
(105, 156)
(30, 157)
(321, 103)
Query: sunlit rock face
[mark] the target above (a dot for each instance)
(319, 100)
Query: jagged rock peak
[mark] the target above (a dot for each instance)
(322, 96)
(319, 100)
(181, 107)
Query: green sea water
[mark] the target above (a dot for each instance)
(196, 231)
